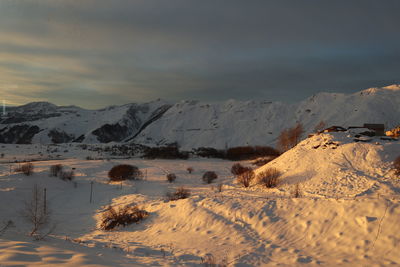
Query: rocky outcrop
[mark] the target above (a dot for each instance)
(18, 134)
(111, 132)
(58, 137)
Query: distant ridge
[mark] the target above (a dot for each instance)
(193, 124)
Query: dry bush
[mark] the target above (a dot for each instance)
(397, 165)
(190, 170)
(246, 177)
(209, 152)
(209, 176)
(171, 177)
(210, 261)
(250, 152)
(269, 177)
(237, 169)
(26, 169)
(180, 193)
(67, 175)
(262, 161)
(165, 152)
(220, 187)
(55, 170)
(124, 216)
(125, 172)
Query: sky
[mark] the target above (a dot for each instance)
(94, 53)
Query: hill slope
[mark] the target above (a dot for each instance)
(333, 165)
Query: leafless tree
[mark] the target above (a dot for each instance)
(36, 211)
(290, 137)
(246, 177)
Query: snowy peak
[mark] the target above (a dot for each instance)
(37, 107)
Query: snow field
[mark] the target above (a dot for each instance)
(348, 215)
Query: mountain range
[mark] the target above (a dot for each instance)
(193, 124)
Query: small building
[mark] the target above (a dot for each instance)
(334, 129)
(378, 128)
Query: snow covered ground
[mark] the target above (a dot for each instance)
(347, 216)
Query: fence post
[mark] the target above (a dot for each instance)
(91, 192)
(45, 201)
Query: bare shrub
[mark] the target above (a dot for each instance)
(237, 169)
(190, 170)
(209, 176)
(26, 169)
(250, 152)
(319, 127)
(55, 170)
(171, 177)
(124, 216)
(125, 172)
(180, 193)
(296, 192)
(220, 187)
(67, 175)
(397, 165)
(262, 161)
(6, 226)
(36, 212)
(269, 177)
(209, 260)
(166, 152)
(246, 177)
(209, 152)
(290, 137)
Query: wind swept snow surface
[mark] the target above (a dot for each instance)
(348, 214)
(334, 165)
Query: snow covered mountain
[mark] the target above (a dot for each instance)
(193, 124)
(42, 122)
(233, 123)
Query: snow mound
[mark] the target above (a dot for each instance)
(393, 87)
(335, 165)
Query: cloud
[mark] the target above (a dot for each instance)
(121, 51)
